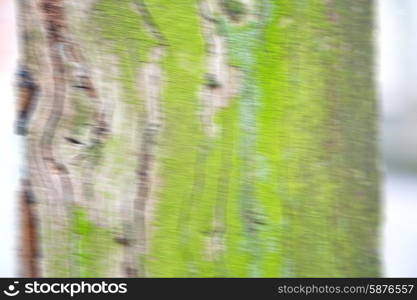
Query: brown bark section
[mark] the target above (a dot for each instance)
(29, 242)
(56, 178)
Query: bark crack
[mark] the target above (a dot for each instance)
(150, 85)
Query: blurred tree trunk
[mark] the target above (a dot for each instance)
(198, 138)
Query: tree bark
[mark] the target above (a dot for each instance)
(210, 138)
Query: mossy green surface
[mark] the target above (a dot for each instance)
(287, 187)
(93, 245)
(182, 154)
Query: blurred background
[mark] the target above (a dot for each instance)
(397, 76)
(396, 65)
(9, 150)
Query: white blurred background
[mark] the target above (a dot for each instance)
(396, 43)
(9, 150)
(397, 85)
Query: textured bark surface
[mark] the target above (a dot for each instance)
(198, 138)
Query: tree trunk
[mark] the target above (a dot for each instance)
(210, 138)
